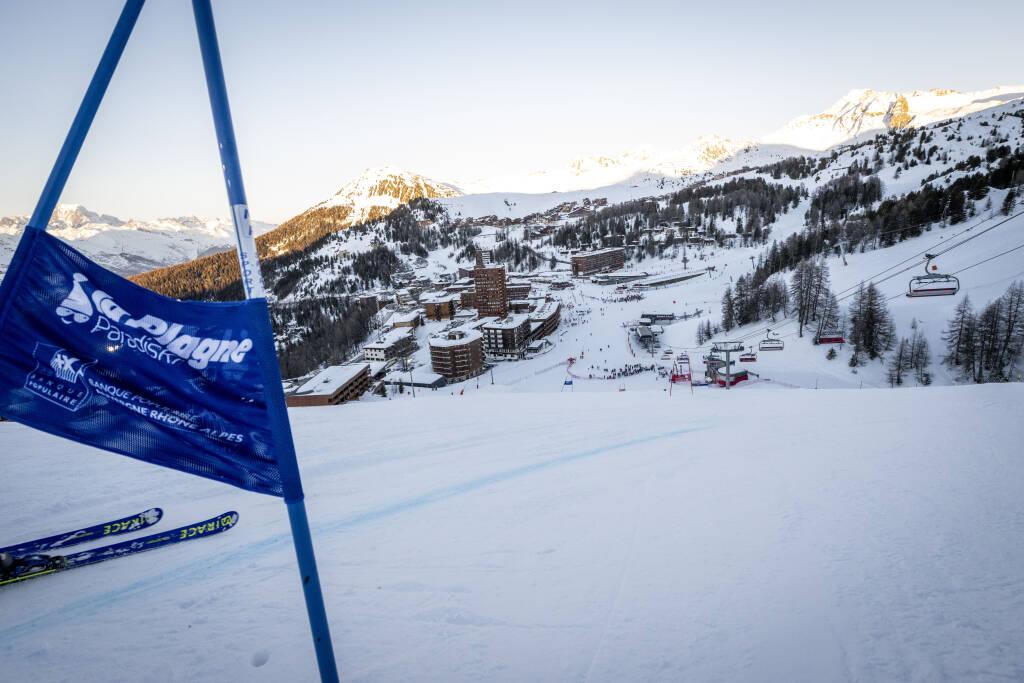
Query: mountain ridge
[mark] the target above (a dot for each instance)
(128, 246)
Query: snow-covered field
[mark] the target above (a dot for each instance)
(871, 535)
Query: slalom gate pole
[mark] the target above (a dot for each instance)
(252, 281)
(86, 113)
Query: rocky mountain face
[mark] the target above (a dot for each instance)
(128, 246)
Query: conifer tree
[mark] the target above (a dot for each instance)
(899, 363)
(728, 310)
(1009, 202)
(871, 326)
(957, 333)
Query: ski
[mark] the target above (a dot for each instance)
(116, 527)
(56, 563)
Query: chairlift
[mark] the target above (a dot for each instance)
(932, 283)
(770, 343)
(748, 357)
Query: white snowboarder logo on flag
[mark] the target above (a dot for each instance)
(59, 377)
(76, 305)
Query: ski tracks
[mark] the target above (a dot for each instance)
(624, 571)
(206, 566)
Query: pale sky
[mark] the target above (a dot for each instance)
(453, 90)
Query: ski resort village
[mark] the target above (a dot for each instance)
(738, 407)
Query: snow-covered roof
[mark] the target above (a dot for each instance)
(389, 339)
(329, 380)
(462, 337)
(509, 322)
(478, 323)
(404, 317)
(376, 366)
(439, 298)
(597, 252)
(544, 310)
(417, 376)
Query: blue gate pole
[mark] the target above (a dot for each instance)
(86, 113)
(252, 281)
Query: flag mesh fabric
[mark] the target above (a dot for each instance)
(90, 356)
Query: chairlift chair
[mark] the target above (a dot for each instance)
(748, 357)
(770, 343)
(932, 283)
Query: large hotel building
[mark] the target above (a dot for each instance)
(457, 354)
(597, 261)
(491, 296)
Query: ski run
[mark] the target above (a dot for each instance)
(826, 535)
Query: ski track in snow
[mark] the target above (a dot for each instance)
(748, 536)
(206, 567)
(627, 564)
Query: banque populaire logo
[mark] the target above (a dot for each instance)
(59, 377)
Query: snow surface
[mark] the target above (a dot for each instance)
(871, 535)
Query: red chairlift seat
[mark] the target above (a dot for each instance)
(830, 338)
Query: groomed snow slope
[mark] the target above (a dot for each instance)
(870, 535)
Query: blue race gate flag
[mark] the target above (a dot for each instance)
(92, 357)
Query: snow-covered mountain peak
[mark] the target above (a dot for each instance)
(386, 187)
(866, 111)
(77, 216)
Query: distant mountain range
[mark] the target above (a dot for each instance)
(128, 246)
(858, 113)
(132, 246)
(866, 112)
